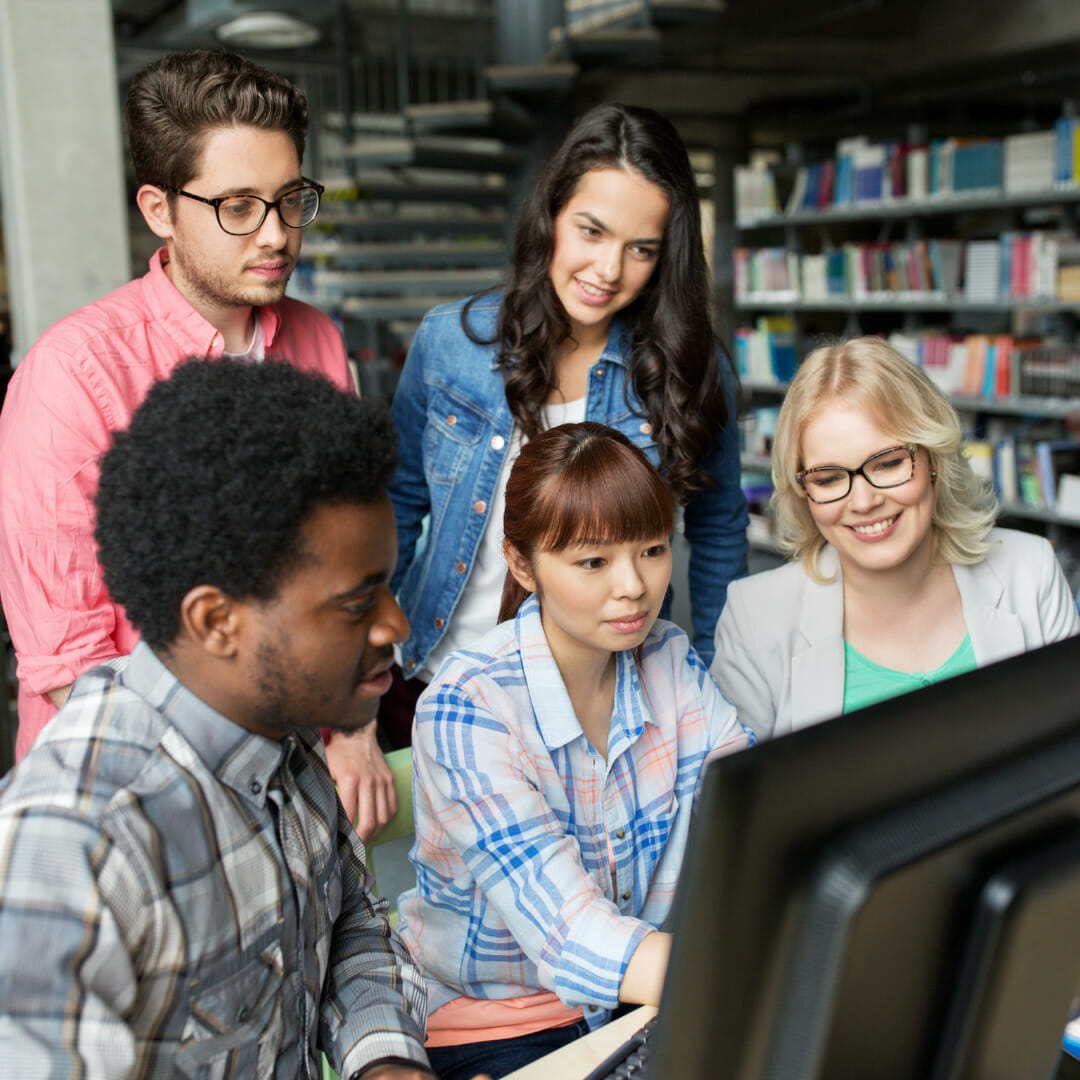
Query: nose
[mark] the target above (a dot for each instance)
(271, 233)
(863, 494)
(629, 584)
(391, 625)
(609, 263)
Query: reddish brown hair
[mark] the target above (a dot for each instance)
(580, 482)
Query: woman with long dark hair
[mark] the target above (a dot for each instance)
(555, 762)
(605, 316)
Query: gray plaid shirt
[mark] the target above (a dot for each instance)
(180, 897)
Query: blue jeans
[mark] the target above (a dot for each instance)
(500, 1057)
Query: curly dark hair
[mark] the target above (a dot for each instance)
(174, 102)
(675, 356)
(212, 482)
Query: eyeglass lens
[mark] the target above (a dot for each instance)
(240, 214)
(890, 469)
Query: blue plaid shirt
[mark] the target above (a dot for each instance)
(180, 897)
(539, 865)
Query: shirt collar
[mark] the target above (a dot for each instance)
(239, 758)
(616, 348)
(197, 336)
(555, 715)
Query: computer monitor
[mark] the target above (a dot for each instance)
(893, 894)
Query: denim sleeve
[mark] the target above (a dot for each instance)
(408, 489)
(716, 521)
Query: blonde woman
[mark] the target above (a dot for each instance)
(899, 578)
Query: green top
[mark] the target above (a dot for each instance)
(866, 682)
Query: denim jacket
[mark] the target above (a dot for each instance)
(455, 426)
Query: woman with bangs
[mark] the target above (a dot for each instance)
(554, 767)
(900, 578)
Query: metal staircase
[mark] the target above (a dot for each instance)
(432, 163)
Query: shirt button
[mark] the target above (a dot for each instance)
(410, 664)
(646, 428)
(241, 1014)
(479, 506)
(461, 568)
(620, 833)
(254, 786)
(439, 622)
(451, 420)
(599, 372)
(498, 442)
(627, 895)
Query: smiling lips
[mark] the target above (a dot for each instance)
(875, 530)
(593, 294)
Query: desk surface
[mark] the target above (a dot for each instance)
(580, 1057)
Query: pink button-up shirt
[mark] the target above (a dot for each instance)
(82, 380)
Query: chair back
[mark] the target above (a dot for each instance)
(388, 853)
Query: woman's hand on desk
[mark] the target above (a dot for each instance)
(643, 979)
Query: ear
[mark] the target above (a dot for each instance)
(153, 202)
(519, 567)
(213, 620)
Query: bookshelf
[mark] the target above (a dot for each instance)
(941, 246)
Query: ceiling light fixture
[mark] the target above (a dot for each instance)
(268, 30)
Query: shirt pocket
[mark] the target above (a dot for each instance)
(661, 841)
(235, 1021)
(451, 437)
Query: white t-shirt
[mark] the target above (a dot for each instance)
(478, 606)
(256, 350)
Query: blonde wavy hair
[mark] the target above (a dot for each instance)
(869, 373)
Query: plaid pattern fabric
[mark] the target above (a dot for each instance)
(180, 897)
(539, 865)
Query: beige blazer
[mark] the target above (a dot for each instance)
(780, 642)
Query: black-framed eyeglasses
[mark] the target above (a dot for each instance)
(240, 215)
(885, 469)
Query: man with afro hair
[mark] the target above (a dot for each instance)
(181, 890)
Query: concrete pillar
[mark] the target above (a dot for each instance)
(61, 165)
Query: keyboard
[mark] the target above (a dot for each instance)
(629, 1061)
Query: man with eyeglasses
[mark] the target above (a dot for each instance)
(216, 143)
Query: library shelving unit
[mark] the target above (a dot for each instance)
(981, 215)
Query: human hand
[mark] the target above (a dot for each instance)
(364, 781)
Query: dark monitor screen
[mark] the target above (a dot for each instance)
(893, 894)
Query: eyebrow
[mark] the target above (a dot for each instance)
(289, 185)
(592, 219)
(887, 450)
(376, 578)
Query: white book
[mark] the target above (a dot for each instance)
(814, 277)
(918, 173)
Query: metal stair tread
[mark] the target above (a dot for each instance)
(395, 307)
(473, 114)
(531, 77)
(460, 152)
(359, 219)
(475, 253)
(381, 282)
